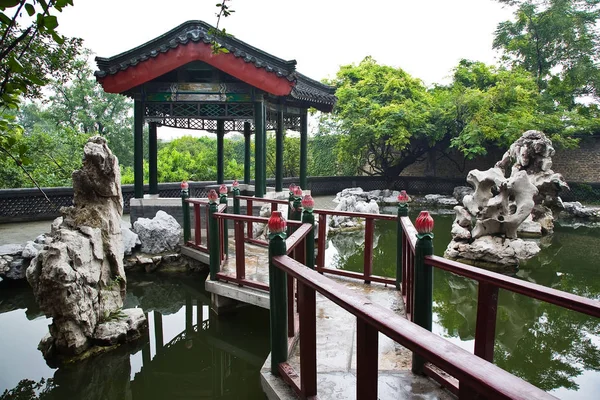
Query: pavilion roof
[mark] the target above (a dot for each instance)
(192, 41)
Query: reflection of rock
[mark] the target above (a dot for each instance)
(349, 243)
(523, 203)
(78, 278)
(18, 295)
(159, 234)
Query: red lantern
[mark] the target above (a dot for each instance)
(424, 223)
(212, 196)
(184, 185)
(297, 191)
(223, 189)
(235, 184)
(403, 197)
(277, 223)
(292, 186)
(308, 203)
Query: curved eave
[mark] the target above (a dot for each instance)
(161, 63)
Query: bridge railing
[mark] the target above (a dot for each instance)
(475, 374)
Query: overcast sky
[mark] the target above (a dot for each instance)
(426, 38)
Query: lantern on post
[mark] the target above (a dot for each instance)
(423, 281)
(212, 196)
(296, 213)
(403, 200)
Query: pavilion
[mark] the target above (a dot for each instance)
(193, 79)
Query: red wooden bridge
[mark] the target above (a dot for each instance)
(295, 282)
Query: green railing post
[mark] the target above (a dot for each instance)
(223, 200)
(213, 236)
(308, 203)
(236, 200)
(277, 292)
(423, 281)
(402, 212)
(185, 206)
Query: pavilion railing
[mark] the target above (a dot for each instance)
(435, 353)
(476, 375)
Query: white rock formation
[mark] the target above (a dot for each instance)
(78, 278)
(159, 234)
(348, 200)
(130, 239)
(486, 228)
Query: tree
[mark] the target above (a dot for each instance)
(558, 42)
(29, 54)
(389, 120)
(383, 114)
(83, 106)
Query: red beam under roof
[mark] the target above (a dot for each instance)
(163, 63)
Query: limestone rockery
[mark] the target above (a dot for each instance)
(78, 277)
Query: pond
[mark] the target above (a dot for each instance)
(555, 349)
(218, 358)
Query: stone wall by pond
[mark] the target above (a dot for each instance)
(576, 165)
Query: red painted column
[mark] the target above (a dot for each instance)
(485, 329)
(308, 340)
(367, 351)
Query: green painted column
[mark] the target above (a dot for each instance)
(308, 217)
(138, 149)
(247, 152)
(423, 281)
(303, 150)
(153, 158)
(402, 212)
(187, 226)
(259, 135)
(220, 151)
(277, 293)
(264, 155)
(279, 153)
(223, 200)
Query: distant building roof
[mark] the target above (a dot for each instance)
(192, 41)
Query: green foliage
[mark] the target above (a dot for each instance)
(323, 159)
(291, 155)
(193, 159)
(30, 54)
(557, 41)
(27, 389)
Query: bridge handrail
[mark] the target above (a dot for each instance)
(534, 290)
(481, 375)
(262, 200)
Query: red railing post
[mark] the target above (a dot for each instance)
(308, 340)
(249, 213)
(485, 329)
(291, 299)
(197, 225)
(207, 226)
(368, 269)
(321, 241)
(367, 351)
(240, 257)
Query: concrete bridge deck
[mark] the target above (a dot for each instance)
(336, 339)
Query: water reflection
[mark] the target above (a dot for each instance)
(189, 352)
(555, 349)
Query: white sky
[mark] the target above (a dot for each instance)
(426, 38)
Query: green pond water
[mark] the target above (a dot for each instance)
(192, 353)
(553, 348)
